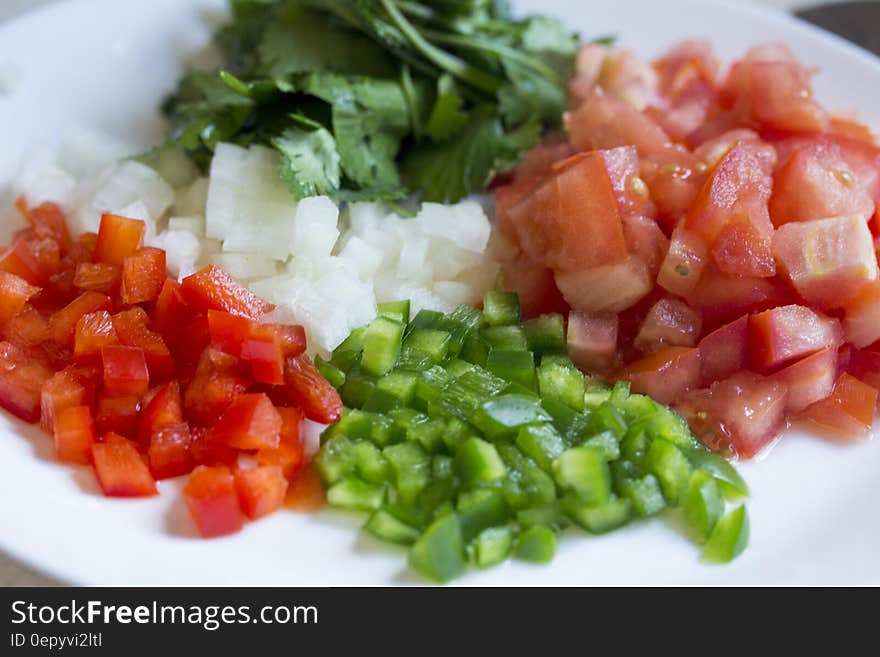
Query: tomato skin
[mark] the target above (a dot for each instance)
(310, 391)
(261, 490)
(665, 375)
(213, 289)
(865, 366)
(125, 370)
(289, 454)
(143, 276)
(62, 325)
(606, 289)
(74, 435)
(21, 381)
(669, 323)
(785, 334)
(15, 292)
(809, 379)
(721, 298)
(250, 422)
(72, 386)
(97, 277)
(724, 352)
(120, 469)
(169, 451)
(215, 385)
(118, 238)
(165, 409)
(94, 331)
(592, 340)
(212, 500)
(848, 413)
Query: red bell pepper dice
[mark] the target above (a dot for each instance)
(97, 277)
(310, 391)
(48, 220)
(228, 332)
(171, 313)
(14, 294)
(72, 386)
(143, 276)
(74, 435)
(19, 259)
(132, 327)
(665, 375)
(250, 422)
(289, 454)
(163, 410)
(170, 452)
(216, 383)
(782, 335)
(264, 350)
(117, 414)
(62, 325)
(212, 288)
(118, 238)
(21, 382)
(261, 490)
(121, 470)
(27, 329)
(212, 499)
(293, 339)
(206, 451)
(94, 331)
(125, 370)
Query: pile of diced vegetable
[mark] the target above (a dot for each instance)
(471, 437)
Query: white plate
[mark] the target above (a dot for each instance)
(106, 64)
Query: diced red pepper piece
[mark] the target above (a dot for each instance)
(261, 490)
(62, 324)
(212, 499)
(83, 248)
(48, 220)
(19, 259)
(97, 277)
(310, 391)
(848, 413)
(289, 454)
(169, 452)
(72, 386)
(228, 332)
(21, 381)
(782, 335)
(94, 331)
(132, 327)
(215, 384)
(212, 288)
(171, 313)
(293, 339)
(143, 275)
(665, 375)
(263, 349)
(163, 410)
(27, 329)
(125, 370)
(74, 435)
(249, 423)
(117, 414)
(206, 451)
(118, 238)
(121, 469)
(14, 294)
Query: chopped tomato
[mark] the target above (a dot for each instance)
(97, 277)
(170, 452)
(311, 392)
(664, 375)
(674, 177)
(118, 238)
(633, 196)
(14, 294)
(782, 335)
(120, 468)
(592, 340)
(535, 285)
(645, 239)
(669, 323)
(21, 382)
(62, 325)
(861, 319)
(848, 413)
(289, 454)
(125, 370)
(72, 386)
(724, 352)
(606, 289)
(865, 366)
(74, 435)
(783, 98)
(94, 331)
(721, 298)
(212, 499)
(809, 380)
(210, 452)
(688, 83)
(143, 275)
(213, 289)
(712, 151)
(250, 422)
(261, 490)
(683, 265)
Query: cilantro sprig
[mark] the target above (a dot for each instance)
(379, 99)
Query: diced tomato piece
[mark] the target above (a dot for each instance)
(132, 327)
(664, 375)
(169, 452)
(865, 366)
(250, 422)
(688, 82)
(74, 435)
(861, 320)
(143, 275)
(118, 238)
(289, 454)
(742, 414)
(20, 259)
(163, 410)
(21, 382)
(120, 468)
(171, 313)
(782, 335)
(215, 385)
(213, 289)
(261, 490)
(212, 499)
(117, 414)
(742, 250)
(228, 332)
(783, 98)
(572, 221)
(310, 391)
(72, 386)
(62, 325)
(97, 277)
(538, 161)
(683, 265)
(633, 196)
(592, 340)
(724, 352)
(848, 413)
(712, 151)
(645, 239)
(125, 370)
(535, 285)
(508, 196)
(293, 339)
(94, 331)
(14, 294)
(49, 221)
(669, 323)
(674, 176)
(722, 298)
(827, 261)
(26, 329)
(606, 289)
(847, 126)
(809, 379)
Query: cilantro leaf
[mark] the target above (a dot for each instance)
(309, 159)
(447, 116)
(530, 94)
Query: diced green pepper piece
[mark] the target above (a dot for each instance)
(358, 388)
(702, 504)
(382, 343)
(439, 552)
(620, 393)
(634, 445)
(671, 467)
(607, 418)
(492, 546)
(396, 310)
(413, 360)
(428, 319)
(515, 366)
(479, 462)
(411, 469)
(438, 496)
(381, 402)
(399, 384)
(356, 494)
(501, 308)
(527, 485)
(505, 337)
(595, 397)
(430, 385)
(536, 544)
(645, 495)
(550, 515)
(600, 519)
(505, 415)
(479, 509)
(334, 375)
(442, 466)
(729, 537)
(668, 425)
(431, 342)
(637, 407)
(572, 426)
(354, 424)
(546, 334)
(720, 467)
(428, 434)
(562, 382)
(336, 459)
(542, 443)
(370, 464)
(621, 471)
(584, 471)
(606, 442)
(348, 354)
(385, 525)
(475, 350)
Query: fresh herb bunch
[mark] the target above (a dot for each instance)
(377, 99)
